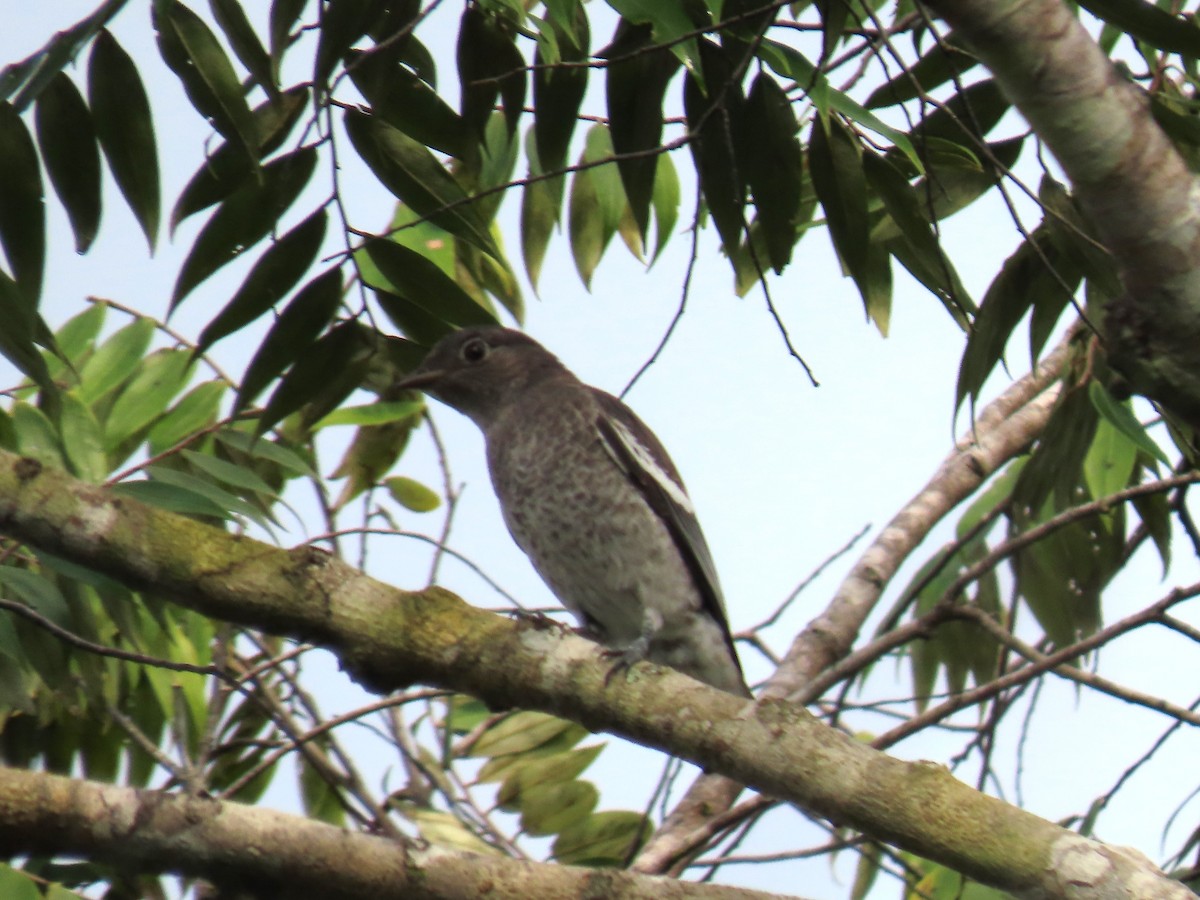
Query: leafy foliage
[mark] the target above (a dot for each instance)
(118, 684)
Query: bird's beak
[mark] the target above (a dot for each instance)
(419, 380)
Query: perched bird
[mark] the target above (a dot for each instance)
(591, 496)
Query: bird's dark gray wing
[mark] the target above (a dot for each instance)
(645, 461)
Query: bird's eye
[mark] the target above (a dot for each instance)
(474, 350)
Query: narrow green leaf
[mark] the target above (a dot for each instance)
(194, 54)
(966, 117)
(715, 124)
(666, 201)
(36, 436)
(337, 351)
(121, 113)
(558, 90)
(401, 98)
(228, 168)
(37, 592)
(541, 201)
(372, 413)
(1120, 416)
(231, 17)
(414, 175)
(292, 335)
(269, 450)
(245, 218)
(1148, 23)
(82, 439)
(115, 360)
(22, 326)
(419, 280)
(22, 210)
(276, 273)
(283, 17)
(635, 87)
(942, 62)
(68, 143)
(413, 495)
(197, 410)
(145, 398)
(603, 839)
(1109, 462)
(342, 23)
(774, 166)
(172, 498)
(837, 174)
(669, 22)
(230, 473)
(489, 65)
(78, 334)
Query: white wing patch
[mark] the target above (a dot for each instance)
(648, 464)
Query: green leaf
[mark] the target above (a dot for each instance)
(550, 808)
(774, 166)
(489, 65)
(666, 203)
(1148, 23)
(78, 335)
(715, 124)
(401, 98)
(22, 211)
(340, 350)
(283, 17)
(197, 410)
(68, 142)
(342, 23)
(82, 439)
(558, 91)
(603, 839)
(172, 498)
(413, 174)
(669, 23)
(372, 413)
(194, 54)
(159, 378)
(635, 86)
(941, 63)
(1120, 415)
(541, 201)
(275, 273)
(596, 203)
(421, 281)
(791, 63)
(228, 168)
(412, 494)
(966, 117)
(292, 335)
(1109, 462)
(231, 16)
(268, 450)
(838, 179)
(230, 473)
(125, 129)
(22, 326)
(36, 436)
(36, 592)
(115, 360)
(523, 731)
(245, 218)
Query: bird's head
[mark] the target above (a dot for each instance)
(479, 370)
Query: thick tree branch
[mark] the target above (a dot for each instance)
(1134, 186)
(275, 854)
(389, 638)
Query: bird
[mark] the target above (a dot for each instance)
(592, 498)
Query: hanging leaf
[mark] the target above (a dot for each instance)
(944, 61)
(68, 143)
(231, 17)
(774, 166)
(342, 22)
(22, 326)
(282, 19)
(837, 174)
(541, 201)
(339, 351)
(292, 335)
(121, 113)
(489, 65)
(194, 54)
(635, 86)
(419, 280)
(414, 175)
(245, 218)
(597, 203)
(714, 121)
(228, 167)
(276, 273)
(558, 89)
(22, 211)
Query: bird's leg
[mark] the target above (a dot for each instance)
(639, 649)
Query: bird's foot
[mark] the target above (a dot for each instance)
(626, 657)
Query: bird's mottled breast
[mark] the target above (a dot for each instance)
(587, 529)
